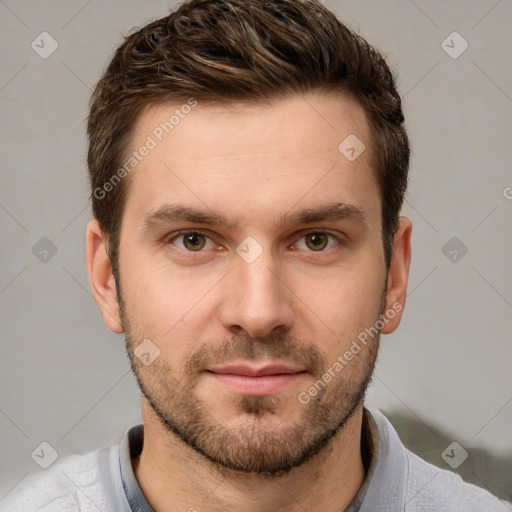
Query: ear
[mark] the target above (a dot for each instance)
(398, 275)
(101, 278)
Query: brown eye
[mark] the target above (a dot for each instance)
(194, 241)
(317, 241)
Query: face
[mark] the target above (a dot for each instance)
(250, 260)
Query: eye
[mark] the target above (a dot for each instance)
(191, 241)
(317, 241)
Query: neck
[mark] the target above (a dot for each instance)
(174, 477)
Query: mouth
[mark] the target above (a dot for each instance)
(250, 380)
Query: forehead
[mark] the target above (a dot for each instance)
(253, 160)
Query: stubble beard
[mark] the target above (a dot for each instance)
(261, 444)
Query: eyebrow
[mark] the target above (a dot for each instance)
(172, 213)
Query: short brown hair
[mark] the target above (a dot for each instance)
(242, 50)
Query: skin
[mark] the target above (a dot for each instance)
(253, 163)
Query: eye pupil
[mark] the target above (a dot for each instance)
(194, 241)
(317, 241)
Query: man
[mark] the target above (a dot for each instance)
(248, 163)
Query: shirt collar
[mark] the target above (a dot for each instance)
(386, 484)
(130, 447)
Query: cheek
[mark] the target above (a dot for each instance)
(166, 303)
(345, 300)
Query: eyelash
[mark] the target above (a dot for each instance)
(180, 234)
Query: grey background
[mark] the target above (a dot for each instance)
(444, 376)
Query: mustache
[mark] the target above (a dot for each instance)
(273, 347)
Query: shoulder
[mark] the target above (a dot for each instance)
(89, 482)
(412, 484)
(431, 488)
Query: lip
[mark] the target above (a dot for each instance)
(252, 371)
(255, 381)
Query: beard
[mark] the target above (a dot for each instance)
(264, 442)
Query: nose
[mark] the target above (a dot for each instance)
(257, 299)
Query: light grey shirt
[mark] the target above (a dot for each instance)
(396, 480)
